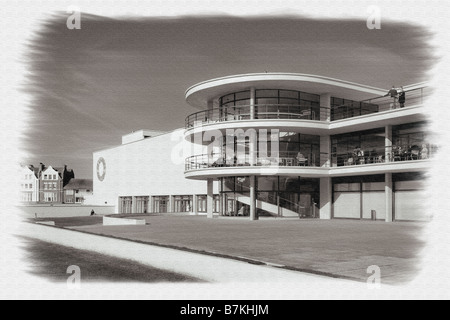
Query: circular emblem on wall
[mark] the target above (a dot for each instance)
(101, 169)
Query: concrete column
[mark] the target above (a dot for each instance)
(253, 214)
(325, 206)
(388, 185)
(221, 198)
(253, 147)
(388, 143)
(325, 102)
(133, 205)
(171, 206)
(194, 205)
(210, 198)
(252, 103)
(325, 151)
(150, 208)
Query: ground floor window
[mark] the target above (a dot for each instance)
(276, 196)
(361, 197)
(50, 196)
(409, 202)
(142, 204)
(27, 197)
(183, 203)
(364, 197)
(202, 203)
(125, 204)
(79, 199)
(160, 204)
(216, 207)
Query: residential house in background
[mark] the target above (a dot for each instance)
(29, 184)
(44, 184)
(78, 191)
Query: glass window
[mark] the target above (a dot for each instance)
(227, 98)
(263, 101)
(183, 203)
(309, 97)
(142, 204)
(343, 187)
(266, 93)
(242, 95)
(202, 203)
(125, 204)
(160, 204)
(293, 102)
(289, 94)
(373, 186)
(267, 183)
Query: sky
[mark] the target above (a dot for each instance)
(88, 87)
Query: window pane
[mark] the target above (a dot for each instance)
(266, 93)
(243, 95)
(289, 94)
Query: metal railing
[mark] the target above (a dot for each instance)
(378, 104)
(302, 112)
(422, 151)
(296, 207)
(261, 111)
(284, 159)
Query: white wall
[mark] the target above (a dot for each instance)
(152, 166)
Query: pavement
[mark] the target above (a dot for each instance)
(236, 249)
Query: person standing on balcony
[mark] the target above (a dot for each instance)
(424, 152)
(393, 94)
(401, 97)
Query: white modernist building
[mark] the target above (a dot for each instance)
(278, 144)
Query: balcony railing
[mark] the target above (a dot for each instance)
(302, 112)
(382, 155)
(367, 156)
(284, 159)
(378, 104)
(262, 111)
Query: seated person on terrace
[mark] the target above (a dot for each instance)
(358, 154)
(414, 152)
(301, 159)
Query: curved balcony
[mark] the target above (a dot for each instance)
(371, 161)
(284, 159)
(262, 111)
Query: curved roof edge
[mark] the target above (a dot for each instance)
(198, 94)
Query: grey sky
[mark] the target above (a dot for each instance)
(114, 76)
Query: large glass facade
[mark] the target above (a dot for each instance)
(344, 108)
(284, 149)
(411, 142)
(358, 147)
(364, 197)
(271, 104)
(274, 193)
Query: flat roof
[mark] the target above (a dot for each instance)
(199, 94)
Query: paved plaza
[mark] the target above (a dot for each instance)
(336, 248)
